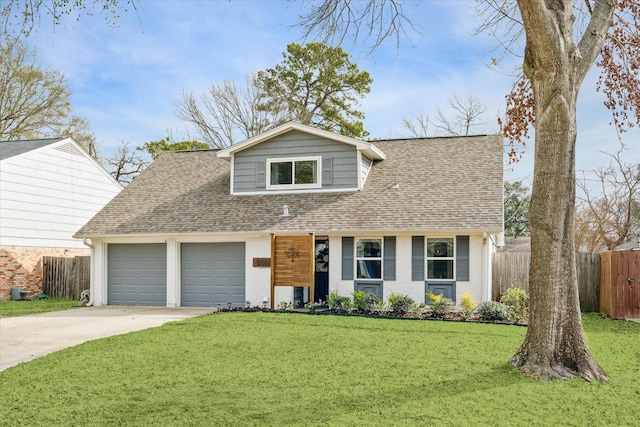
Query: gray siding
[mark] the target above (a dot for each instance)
(339, 161)
(366, 167)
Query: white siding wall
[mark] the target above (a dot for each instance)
(48, 194)
(477, 286)
(258, 279)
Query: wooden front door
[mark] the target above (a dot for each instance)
(292, 262)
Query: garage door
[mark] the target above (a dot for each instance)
(212, 274)
(137, 274)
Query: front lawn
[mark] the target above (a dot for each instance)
(9, 308)
(292, 369)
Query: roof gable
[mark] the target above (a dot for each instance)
(366, 147)
(10, 149)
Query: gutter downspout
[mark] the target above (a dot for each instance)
(87, 242)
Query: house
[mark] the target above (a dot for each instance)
(297, 212)
(48, 189)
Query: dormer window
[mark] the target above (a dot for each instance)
(294, 172)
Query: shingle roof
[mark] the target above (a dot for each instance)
(443, 184)
(15, 148)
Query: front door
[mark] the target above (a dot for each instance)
(322, 270)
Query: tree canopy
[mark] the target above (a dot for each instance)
(316, 85)
(517, 198)
(35, 102)
(155, 148)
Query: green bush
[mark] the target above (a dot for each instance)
(399, 303)
(468, 304)
(313, 306)
(337, 302)
(358, 299)
(441, 306)
(493, 310)
(518, 301)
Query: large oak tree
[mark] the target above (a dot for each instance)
(563, 40)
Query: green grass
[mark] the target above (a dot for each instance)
(279, 369)
(9, 308)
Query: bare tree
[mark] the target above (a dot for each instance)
(18, 18)
(417, 125)
(467, 113)
(228, 113)
(331, 21)
(125, 164)
(609, 217)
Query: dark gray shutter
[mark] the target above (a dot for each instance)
(327, 171)
(347, 258)
(261, 175)
(389, 258)
(462, 258)
(417, 258)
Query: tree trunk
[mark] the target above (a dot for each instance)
(554, 346)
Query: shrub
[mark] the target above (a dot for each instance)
(336, 302)
(399, 303)
(286, 305)
(358, 299)
(371, 301)
(365, 301)
(493, 310)
(442, 306)
(518, 301)
(313, 306)
(439, 304)
(468, 304)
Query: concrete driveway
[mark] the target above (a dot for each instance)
(25, 338)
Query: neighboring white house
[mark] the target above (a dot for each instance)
(298, 212)
(48, 189)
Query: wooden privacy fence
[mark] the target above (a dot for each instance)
(620, 284)
(512, 268)
(65, 277)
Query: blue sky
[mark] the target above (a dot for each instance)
(126, 79)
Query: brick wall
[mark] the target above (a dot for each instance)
(22, 267)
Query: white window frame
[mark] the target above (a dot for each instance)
(427, 258)
(293, 160)
(379, 258)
